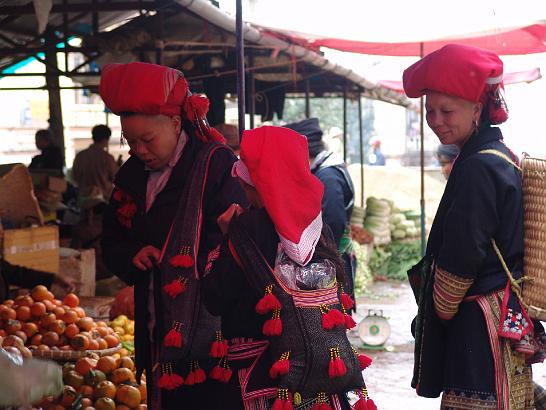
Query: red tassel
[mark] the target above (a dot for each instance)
(278, 405)
(219, 347)
(190, 379)
(181, 261)
(371, 405)
(287, 405)
(268, 303)
(349, 321)
(200, 376)
(346, 301)
(360, 404)
(327, 321)
(226, 375)
(281, 366)
(176, 380)
(176, 287)
(216, 373)
(174, 337)
(196, 105)
(164, 382)
(272, 327)
(283, 401)
(337, 317)
(341, 369)
(364, 361)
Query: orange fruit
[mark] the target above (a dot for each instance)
(22, 335)
(85, 364)
(38, 309)
(13, 326)
(23, 300)
(87, 403)
(128, 395)
(122, 407)
(71, 300)
(85, 390)
(86, 324)
(73, 378)
(23, 313)
(59, 312)
(50, 296)
(71, 330)
(102, 344)
(50, 339)
(69, 395)
(80, 342)
(101, 323)
(8, 314)
(143, 391)
(8, 302)
(105, 389)
(142, 406)
(111, 340)
(105, 403)
(47, 320)
(57, 326)
(49, 305)
(80, 311)
(39, 293)
(36, 340)
(122, 375)
(70, 316)
(30, 329)
(93, 345)
(107, 364)
(127, 362)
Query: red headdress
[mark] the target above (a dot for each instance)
(275, 160)
(152, 89)
(471, 73)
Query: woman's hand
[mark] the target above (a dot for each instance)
(224, 219)
(146, 257)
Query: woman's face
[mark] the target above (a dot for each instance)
(151, 138)
(252, 196)
(452, 119)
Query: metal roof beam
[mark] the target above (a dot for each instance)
(83, 7)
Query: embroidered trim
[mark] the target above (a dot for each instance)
(213, 255)
(462, 399)
(449, 291)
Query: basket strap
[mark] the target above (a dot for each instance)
(514, 284)
(501, 155)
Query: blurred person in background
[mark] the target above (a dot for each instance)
(231, 134)
(51, 156)
(446, 155)
(376, 157)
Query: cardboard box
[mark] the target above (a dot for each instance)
(97, 307)
(35, 248)
(78, 266)
(18, 204)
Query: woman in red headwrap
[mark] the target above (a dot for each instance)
(277, 280)
(160, 226)
(474, 340)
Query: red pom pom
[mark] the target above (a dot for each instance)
(364, 361)
(341, 369)
(218, 349)
(226, 375)
(268, 303)
(272, 327)
(280, 367)
(287, 405)
(200, 376)
(181, 261)
(164, 382)
(371, 405)
(175, 288)
(349, 321)
(337, 317)
(278, 405)
(360, 404)
(346, 301)
(173, 339)
(196, 105)
(216, 373)
(190, 379)
(327, 321)
(176, 380)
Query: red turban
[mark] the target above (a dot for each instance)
(277, 161)
(152, 89)
(471, 73)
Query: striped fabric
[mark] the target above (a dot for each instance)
(449, 291)
(303, 251)
(539, 397)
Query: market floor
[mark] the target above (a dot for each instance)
(388, 379)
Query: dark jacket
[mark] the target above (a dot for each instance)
(50, 158)
(338, 199)
(121, 243)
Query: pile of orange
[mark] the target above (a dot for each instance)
(43, 322)
(107, 383)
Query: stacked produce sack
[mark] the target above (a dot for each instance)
(401, 226)
(377, 220)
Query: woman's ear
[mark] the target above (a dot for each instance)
(177, 123)
(478, 107)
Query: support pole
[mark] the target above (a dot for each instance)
(345, 123)
(252, 89)
(361, 143)
(52, 84)
(422, 130)
(240, 67)
(307, 102)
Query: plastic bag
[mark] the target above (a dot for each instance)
(315, 275)
(26, 382)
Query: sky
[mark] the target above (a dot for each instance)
(402, 20)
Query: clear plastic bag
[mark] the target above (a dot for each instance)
(315, 275)
(26, 382)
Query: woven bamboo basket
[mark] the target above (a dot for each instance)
(73, 355)
(534, 199)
